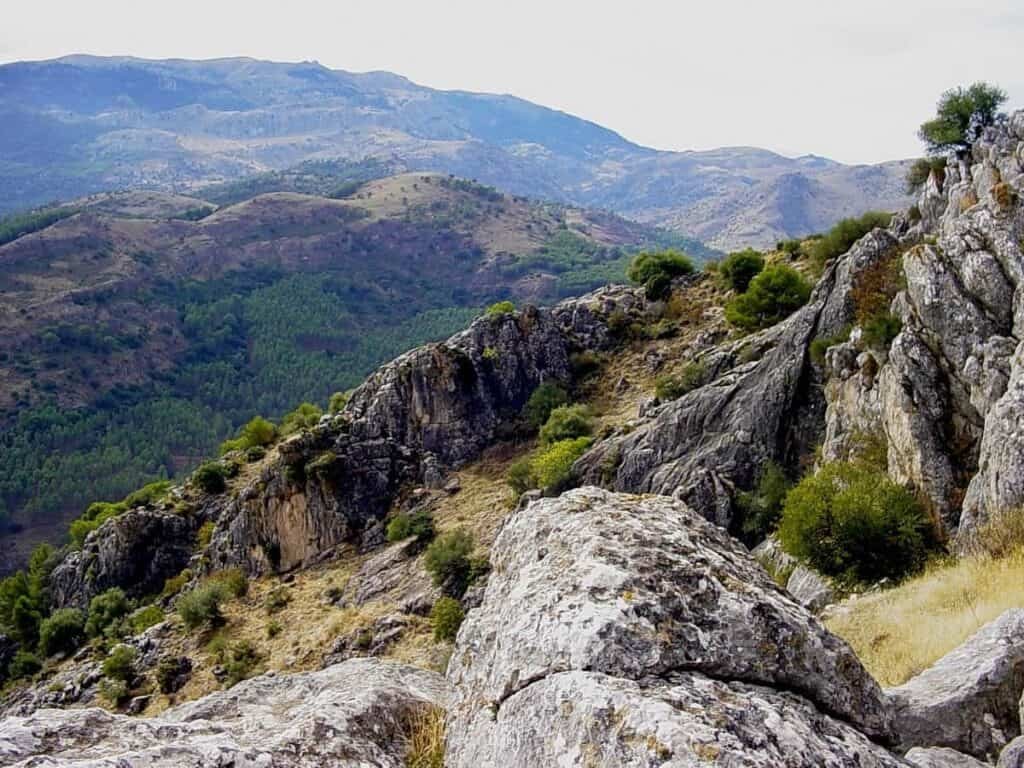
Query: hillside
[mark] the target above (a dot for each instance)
(527, 544)
(142, 328)
(82, 124)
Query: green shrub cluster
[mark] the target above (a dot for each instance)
(843, 235)
(257, 432)
(566, 422)
(406, 524)
(852, 522)
(305, 416)
(879, 330)
(240, 662)
(94, 516)
(446, 616)
(822, 344)
(500, 309)
(739, 268)
(337, 402)
(105, 613)
(549, 468)
(202, 605)
(211, 477)
(773, 295)
(120, 663)
(760, 508)
(655, 270)
(542, 402)
(670, 386)
(447, 559)
(61, 632)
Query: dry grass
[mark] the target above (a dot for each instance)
(426, 739)
(900, 632)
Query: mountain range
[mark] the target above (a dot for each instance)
(81, 124)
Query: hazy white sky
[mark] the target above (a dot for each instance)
(849, 80)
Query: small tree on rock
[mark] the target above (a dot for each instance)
(960, 117)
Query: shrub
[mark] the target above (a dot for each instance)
(94, 516)
(105, 610)
(62, 632)
(854, 523)
(552, 467)
(426, 738)
(235, 582)
(655, 270)
(501, 308)
(879, 331)
(446, 616)
(24, 664)
(740, 268)
(670, 386)
(305, 416)
(211, 477)
(205, 535)
(114, 692)
(337, 402)
(419, 524)
(276, 600)
(447, 561)
(120, 663)
(584, 364)
(171, 673)
(175, 584)
(491, 354)
(144, 618)
(761, 508)
(274, 629)
(772, 296)
(566, 422)
(240, 664)
(520, 476)
(259, 431)
(542, 402)
(960, 117)
(843, 235)
(147, 494)
(921, 169)
(791, 248)
(822, 344)
(255, 453)
(201, 606)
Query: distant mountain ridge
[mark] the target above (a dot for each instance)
(83, 124)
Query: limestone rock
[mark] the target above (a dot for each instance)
(350, 715)
(1012, 755)
(941, 757)
(637, 589)
(968, 700)
(810, 589)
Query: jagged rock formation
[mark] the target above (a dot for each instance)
(626, 629)
(968, 699)
(349, 715)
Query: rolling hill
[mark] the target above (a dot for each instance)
(142, 328)
(81, 124)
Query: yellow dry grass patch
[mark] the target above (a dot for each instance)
(903, 631)
(425, 739)
(485, 499)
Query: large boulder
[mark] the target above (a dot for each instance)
(653, 606)
(968, 700)
(351, 715)
(1012, 755)
(941, 757)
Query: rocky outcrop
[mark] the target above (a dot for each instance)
(430, 410)
(351, 715)
(1012, 755)
(763, 403)
(941, 757)
(947, 395)
(968, 700)
(810, 589)
(637, 615)
(136, 551)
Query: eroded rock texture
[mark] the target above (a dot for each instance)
(637, 616)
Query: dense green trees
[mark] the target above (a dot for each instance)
(655, 269)
(772, 296)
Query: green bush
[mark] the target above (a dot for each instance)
(175, 584)
(584, 364)
(960, 116)
(105, 610)
(843, 235)
(62, 632)
(24, 664)
(566, 422)
(671, 386)
(274, 629)
(740, 268)
(337, 402)
(147, 494)
(201, 606)
(773, 295)
(447, 616)
(241, 662)
(542, 402)
(655, 270)
(501, 308)
(276, 600)
(761, 508)
(879, 331)
(419, 524)
(447, 561)
(853, 523)
(822, 344)
(211, 477)
(304, 417)
(520, 476)
(120, 663)
(235, 582)
(258, 431)
(144, 618)
(791, 248)
(169, 673)
(921, 169)
(552, 467)
(94, 516)
(114, 692)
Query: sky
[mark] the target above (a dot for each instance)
(846, 80)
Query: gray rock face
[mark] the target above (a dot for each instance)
(967, 700)
(597, 597)
(707, 443)
(1012, 755)
(941, 757)
(136, 551)
(810, 589)
(351, 715)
